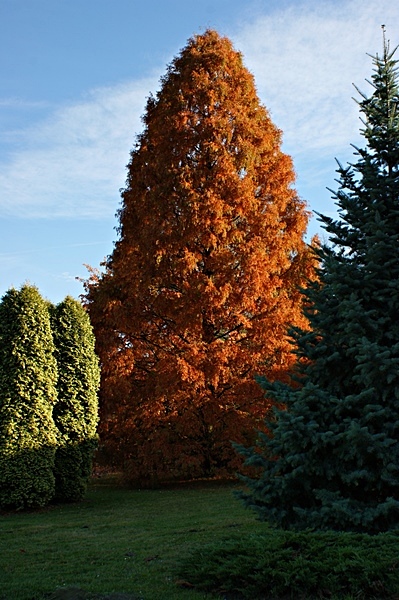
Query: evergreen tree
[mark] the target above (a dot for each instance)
(203, 280)
(76, 411)
(28, 375)
(331, 457)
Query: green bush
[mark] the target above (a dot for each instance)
(28, 374)
(287, 564)
(76, 412)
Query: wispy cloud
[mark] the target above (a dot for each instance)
(21, 104)
(304, 58)
(73, 163)
(45, 249)
(66, 276)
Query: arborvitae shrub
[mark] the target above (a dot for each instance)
(76, 411)
(28, 375)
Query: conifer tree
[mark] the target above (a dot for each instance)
(76, 411)
(28, 375)
(203, 279)
(331, 459)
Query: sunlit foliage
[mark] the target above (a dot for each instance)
(28, 375)
(76, 411)
(196, 296)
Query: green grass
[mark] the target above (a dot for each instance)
(181, 543)
(116, 540)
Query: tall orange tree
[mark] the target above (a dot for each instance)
(196, 296)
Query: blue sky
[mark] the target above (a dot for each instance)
(75, 75)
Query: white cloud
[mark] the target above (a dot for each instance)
(21, 103)
(66, 276)
(73, 163)
(304, 58)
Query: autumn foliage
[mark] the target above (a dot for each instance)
(196, 296)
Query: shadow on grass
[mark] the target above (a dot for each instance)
(74, 593)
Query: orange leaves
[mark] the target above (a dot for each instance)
(199, 290)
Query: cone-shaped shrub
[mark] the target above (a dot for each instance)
(28, 374)
(76, 412)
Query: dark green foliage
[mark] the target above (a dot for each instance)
(292, 565)
(76, 412)
(331, 459)
(28, 374)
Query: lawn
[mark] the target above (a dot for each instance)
(123, 544)
(116, 541)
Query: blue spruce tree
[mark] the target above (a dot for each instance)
(330, 459)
